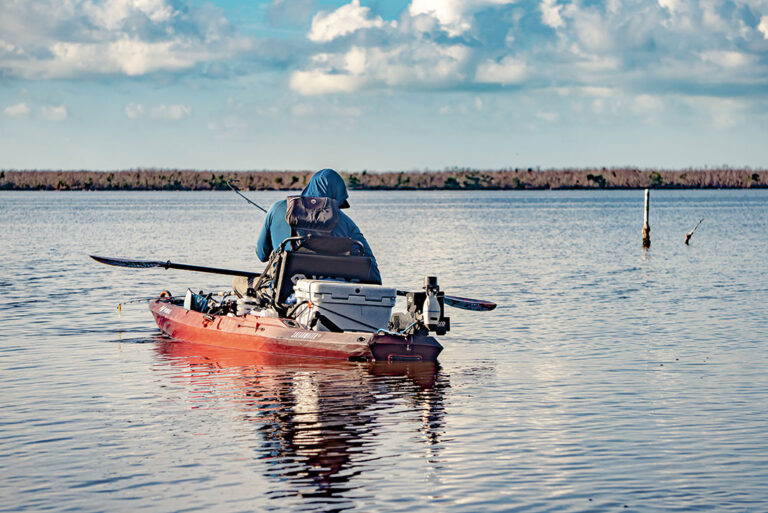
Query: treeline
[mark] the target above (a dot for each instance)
(456, 178)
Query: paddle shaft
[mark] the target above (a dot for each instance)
(456, 302)
(211, 270)
(145, 264)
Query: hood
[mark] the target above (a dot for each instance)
(327, 183)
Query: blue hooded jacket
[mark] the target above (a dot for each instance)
(326, 183)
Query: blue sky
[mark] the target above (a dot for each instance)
(382, 85)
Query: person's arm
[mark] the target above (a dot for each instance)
(264, 244)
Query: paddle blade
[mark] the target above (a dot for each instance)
(125, 262)
(144, 264)
(465, 303)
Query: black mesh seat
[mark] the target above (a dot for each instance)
(321, 258)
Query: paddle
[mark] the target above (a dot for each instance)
(464, 303)
(477, 305)
(143, 264)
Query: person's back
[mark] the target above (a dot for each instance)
(326, 183)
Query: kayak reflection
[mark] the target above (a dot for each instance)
(318, 421)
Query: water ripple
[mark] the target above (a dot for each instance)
(607, 379)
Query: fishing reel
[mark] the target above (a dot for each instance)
(427, 308)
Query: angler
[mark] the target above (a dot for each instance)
(316, 212)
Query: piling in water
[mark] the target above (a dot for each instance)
(646, 226)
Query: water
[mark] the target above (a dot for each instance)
(607, 379)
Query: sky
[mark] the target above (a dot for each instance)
(382, 84)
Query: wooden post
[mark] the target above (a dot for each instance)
(646, 226)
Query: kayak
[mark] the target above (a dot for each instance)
(284, 336)
(314, 314)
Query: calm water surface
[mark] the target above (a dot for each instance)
(608, 379)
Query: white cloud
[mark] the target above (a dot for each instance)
(509, 70)
(446, 109)
(355, 61)
(322, 82)
(599, 91)
(550, 13)
(646, 104)
(728, 59)
(325, 109)
(112, 14)
(723, 113)
(629, 44)
(48, 39)
(162, 111)
(763, 27)
(302, 109)
(230, 123)
(177, 111)
(549, 117)
(672, 5)
(17, 111)
(462, 106)
(591, 30)
(589, 65)
(613, 6)
(424, 64)
(710, 15)
(6, 47)
(128, 57)
(53, 112)
(598, 63)
(454, 16)
(634, 45)
(327, 26)
(589, 91)
(134, 110)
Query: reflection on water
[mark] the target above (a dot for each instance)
(316, 420)
(608, 376)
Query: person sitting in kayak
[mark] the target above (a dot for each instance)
(326, 183)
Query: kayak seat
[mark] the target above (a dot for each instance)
(321, 260)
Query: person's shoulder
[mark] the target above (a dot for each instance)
(347, 222)
(344, 218)
(278, 207)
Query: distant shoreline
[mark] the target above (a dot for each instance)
(453, 179)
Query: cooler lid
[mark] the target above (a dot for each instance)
(344, 291)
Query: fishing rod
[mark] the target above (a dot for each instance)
(237, 191)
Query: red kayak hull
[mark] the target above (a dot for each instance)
(285, 337)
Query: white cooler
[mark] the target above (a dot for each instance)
(350, 306)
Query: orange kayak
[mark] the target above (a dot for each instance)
(286, 337)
